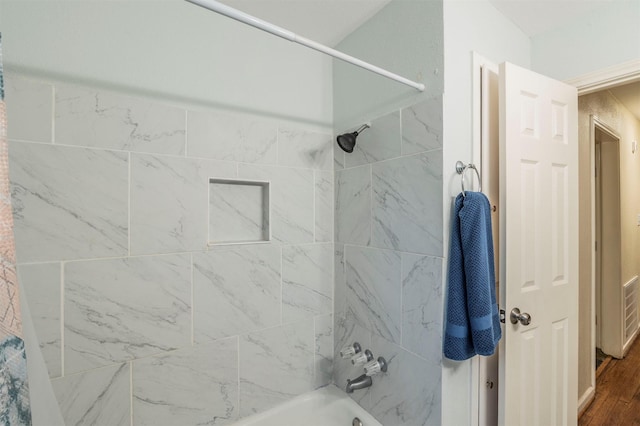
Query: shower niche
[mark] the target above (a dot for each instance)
(238, 211)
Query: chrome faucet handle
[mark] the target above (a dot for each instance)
(374, 367)
(349, 351)
(361, 358)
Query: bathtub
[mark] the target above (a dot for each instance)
(328, 406)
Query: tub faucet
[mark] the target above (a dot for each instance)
(361, 382)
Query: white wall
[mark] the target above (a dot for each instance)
(388, 227)
(405, 38)
(170, 49)
(606, 36)
(468, 26)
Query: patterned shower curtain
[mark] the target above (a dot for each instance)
(14, 390)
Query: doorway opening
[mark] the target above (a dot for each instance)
(607, 240)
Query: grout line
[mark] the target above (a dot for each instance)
(238, 371)
(53, 114)
(174, 156)
(402, 260)
(315, 353)
(281, 284)
(370, 203)
(62, 317)
(186, 133)
(131, 391)
(192, 310)
(400, 114)
(278, 145)
(129, 208)
(315, 195)
(390, 249)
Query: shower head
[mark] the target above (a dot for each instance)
(347, 141)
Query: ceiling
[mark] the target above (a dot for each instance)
(329, 21)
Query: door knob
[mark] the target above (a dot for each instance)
(524, 318)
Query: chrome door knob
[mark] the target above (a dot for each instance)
(524, 318)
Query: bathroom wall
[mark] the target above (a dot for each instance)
(140, 319)
(469, 26)
(167, 49)
(614, 114)
(388, 215)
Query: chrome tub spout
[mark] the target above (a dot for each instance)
(361, 382)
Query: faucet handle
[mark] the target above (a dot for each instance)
(374, 367)
(349, 351)
(362, 358)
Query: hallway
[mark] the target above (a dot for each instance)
(617, 400)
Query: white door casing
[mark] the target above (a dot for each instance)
(538, 248)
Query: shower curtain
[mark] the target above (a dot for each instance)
(14, 391)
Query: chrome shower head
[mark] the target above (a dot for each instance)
(347, 141)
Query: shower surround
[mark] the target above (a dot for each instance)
(140, 320)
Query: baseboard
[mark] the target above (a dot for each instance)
(585, 400)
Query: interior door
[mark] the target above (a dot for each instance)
(538, 248)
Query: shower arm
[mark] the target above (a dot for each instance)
(245, 18)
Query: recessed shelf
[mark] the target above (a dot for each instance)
(238, 211)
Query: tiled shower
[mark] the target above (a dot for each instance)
(141, 230)
(145, 310)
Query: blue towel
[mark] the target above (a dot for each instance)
(472, 325)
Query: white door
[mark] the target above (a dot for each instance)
(538, 248)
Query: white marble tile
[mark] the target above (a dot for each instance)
(324, 206)
(292, 199)
(68, 203)
(380, 142)
(231, 137)
(169, 202)
(353, 205)
(407, 204)
(374, 290)
(340, 286)
(275, 365)
(338, 155)
(422, 126)
(41, 284)
(347, 332)
(409, 393)
(29, 109)
(323, 361)
(307, 281)
(299, 148)
(121, 309)
(108, 120)
(422, 304)
(97, 397)
(236, 291)
(191, 386)
(238, 211)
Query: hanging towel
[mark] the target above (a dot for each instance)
(472, 322)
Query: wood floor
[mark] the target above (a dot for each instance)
(617, 400)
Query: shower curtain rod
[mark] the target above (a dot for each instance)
(245, 18)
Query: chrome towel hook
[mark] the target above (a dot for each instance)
(461, 168)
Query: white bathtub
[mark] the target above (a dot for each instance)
(324, 407)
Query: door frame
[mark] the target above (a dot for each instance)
(609, 77)
(606, 78)
(598, 125)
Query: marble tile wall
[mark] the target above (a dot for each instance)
(389, 262)
(141, 321)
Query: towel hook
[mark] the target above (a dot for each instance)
(461, 168)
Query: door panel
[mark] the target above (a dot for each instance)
(538, 248)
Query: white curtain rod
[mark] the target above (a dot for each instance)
(230, 12)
